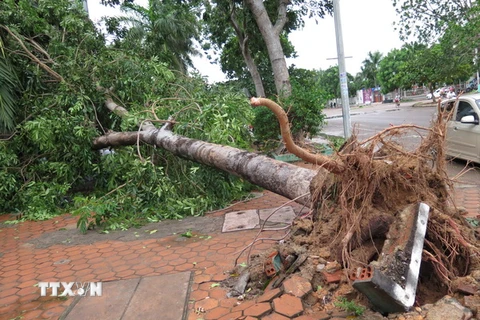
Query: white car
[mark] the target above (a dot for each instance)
(463, 130)
(436, 94)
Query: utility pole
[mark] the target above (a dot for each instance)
(342, 71)
(85, 6)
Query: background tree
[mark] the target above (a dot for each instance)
(456, 22)
(232, 31)
(304, 108)
(370, 69)
(272, 20)
(392, 70)
(165, 28)
(10, 87)
(434, 66)
(429, 20)
(329, 81)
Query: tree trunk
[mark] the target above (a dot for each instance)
(251, 66)
(285, 179)
(271, 36)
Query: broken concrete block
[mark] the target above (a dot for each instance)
(297, 286)
(391, 283)
(334, 277)
(241, 284)
(448, 308)
(473, 303)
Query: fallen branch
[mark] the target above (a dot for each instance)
(323, 161)
(33, 57)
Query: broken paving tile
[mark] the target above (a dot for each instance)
(240, 220)
(297, 286)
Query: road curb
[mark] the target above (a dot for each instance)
(358, 113)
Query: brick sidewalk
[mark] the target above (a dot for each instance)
(23, 265)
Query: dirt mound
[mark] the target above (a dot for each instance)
(354, 208)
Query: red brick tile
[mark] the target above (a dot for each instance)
(7, 263)
(26, 272)
(207, 304)
(82, 274)
(10, 292)
(168, 254)
(218, 293)
(165, 269)
(275, 316)
(270, 295)
(26, 283)
(182, 250)
(184, 267)
(120, 267)
(229, 302)
(11, 268)
(216, 313)
(49, 276)
(30, 305)
(213, 270)
(198, 295)
(205, 264)
(244, 305)
(202, 278)
(158, 264)
(8, 300)
(66, 275)
(10, 308)
(10, 273)
(95, 260)
(288, 305)
(177, 262)
(190, 255)
(219, 277)
(226, 250)
(25, 291)
(145, 271)
(80, 266)
(131, 256)
(125, 273)
(53, 313)
(258, 310)
(231, 316)
(193, 316)
(31, 315)
(30, 297)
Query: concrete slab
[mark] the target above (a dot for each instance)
(115, 298)
(162, 297)
(240, 220)
(159, 297)
(283, 216)
(391, 282)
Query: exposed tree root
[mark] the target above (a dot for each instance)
(370, 183)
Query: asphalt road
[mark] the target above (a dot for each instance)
(366, 125)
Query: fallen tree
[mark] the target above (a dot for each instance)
(355, 196)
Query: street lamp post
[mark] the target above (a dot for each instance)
(342, 70)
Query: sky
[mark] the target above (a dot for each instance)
(367, 25)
